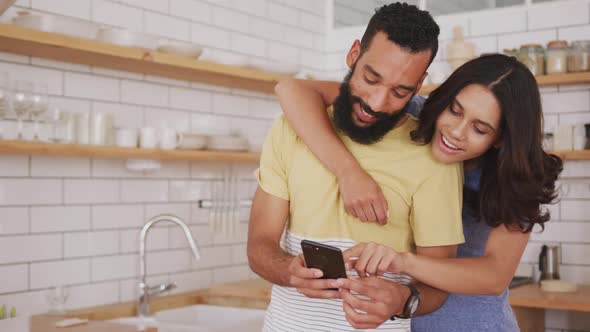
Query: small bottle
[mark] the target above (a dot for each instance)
(587, 146)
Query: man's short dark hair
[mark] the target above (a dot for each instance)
(406, 25)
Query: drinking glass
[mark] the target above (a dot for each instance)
(56, 298)
(40, 104)
(4, 99)
(22, 102)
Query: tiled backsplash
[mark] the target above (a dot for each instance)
(75, 221)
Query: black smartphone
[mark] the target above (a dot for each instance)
(324, 257)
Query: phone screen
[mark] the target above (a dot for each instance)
(324, 257)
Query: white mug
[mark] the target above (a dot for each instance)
(100, 126)
(169, 139)
(126, 137)
(83, 128)
(148, 138)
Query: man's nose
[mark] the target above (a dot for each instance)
(378, 100)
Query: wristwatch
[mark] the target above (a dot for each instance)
(411, 304)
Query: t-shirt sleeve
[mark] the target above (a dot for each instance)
(436, 209)
(272, 172)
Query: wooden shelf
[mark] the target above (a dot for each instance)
(573, 155)
(113, 152)
(556, 79)
(59, 47)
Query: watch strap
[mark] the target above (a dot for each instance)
(407, 311)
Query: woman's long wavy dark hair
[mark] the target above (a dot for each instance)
(518, 177)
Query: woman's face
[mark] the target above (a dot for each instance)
(468, 127)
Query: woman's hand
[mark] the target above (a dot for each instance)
(374, 259)
(362, 196)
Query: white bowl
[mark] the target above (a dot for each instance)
(36, 22)
(192, 141)
(186, 50)
(229, 143)
(125, 37)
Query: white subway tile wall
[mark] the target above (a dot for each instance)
(76, 221)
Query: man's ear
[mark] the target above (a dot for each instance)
(353, 53)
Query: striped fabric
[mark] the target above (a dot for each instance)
(291, 311)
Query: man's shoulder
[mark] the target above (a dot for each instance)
(282, 129)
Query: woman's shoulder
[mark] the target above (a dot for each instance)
(415, 105)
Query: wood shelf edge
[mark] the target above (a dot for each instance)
(573, 155)
(113, 152)
(71, 49)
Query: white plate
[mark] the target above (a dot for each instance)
(561, 286)
(224, 58)
(186, 50)
(125, 37)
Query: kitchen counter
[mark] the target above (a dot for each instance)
(248, 294)
(528, 301)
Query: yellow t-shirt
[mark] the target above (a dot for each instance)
(424, 196)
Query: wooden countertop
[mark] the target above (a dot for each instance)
(531, 296)
(256, 294)
(249, 294)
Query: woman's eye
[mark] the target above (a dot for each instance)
(452, 110)
(479, 131)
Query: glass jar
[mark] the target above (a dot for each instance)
(548, 141)
(556, 57)
(533, 56)
(511, 52)
(578, 58)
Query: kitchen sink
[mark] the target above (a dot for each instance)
(139, 322)
(201, 318)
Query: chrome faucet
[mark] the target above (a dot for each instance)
(145, 292)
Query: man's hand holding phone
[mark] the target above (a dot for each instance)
(308, 281)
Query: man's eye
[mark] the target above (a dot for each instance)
(368, 80)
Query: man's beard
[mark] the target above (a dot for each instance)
(343, 111)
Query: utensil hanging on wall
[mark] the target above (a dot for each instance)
(224, 213)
